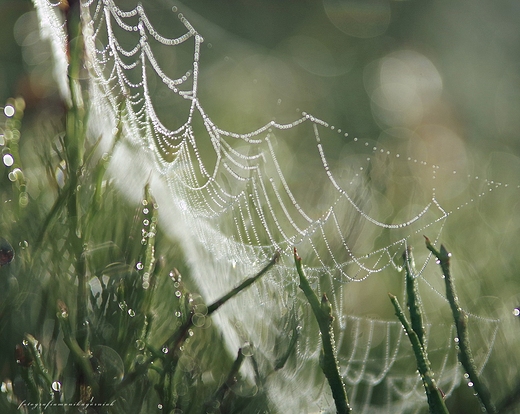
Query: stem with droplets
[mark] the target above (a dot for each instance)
(461, 324)
(329, 363)
(434, 395)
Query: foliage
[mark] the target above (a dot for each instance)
(92, 312)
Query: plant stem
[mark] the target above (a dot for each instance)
(413, 297)
(32, 345)
(435, 399)
(27, 374)
(81, 358)
(461, 324)
(178, 337)
(218, 303)
(280, 362)
(329, 363)
(231, 379)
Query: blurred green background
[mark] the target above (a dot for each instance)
(437, 80)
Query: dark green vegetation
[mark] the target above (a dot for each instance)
(116, 328)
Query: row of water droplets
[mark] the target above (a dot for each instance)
(9, 142)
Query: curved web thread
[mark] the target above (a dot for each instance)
(243, 188)
(239, 201)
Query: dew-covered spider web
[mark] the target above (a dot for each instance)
(233, 196)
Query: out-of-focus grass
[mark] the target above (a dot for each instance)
(117, 342)
(92, 310)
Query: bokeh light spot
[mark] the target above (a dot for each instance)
(9, 111)
(358, 18)
(8, 160)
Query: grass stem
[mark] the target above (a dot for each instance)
(434, 395)
(218, 303)
(329, 363)
(461, 324)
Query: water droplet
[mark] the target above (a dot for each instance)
(146, 222)
(159, 406)
(456, 340)
(198, 320)
(174, 9)
(247, 349)
(122, 305)
(131, 313)
(145, 211)
(56, 386)
(201, 309)
(24, 199)
(9, 111)
(470, 384)
(178, 293)
(516, 311)
(178, 314)
(165, 350)
(6, 252)
(139, 266)
(139, 344)
(437, 261)
(181, 388)
(8, 160)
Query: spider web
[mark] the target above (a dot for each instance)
(350, 206)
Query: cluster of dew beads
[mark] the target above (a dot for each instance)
(176, 278)
(148, 233)
(123, 306)
(9, 139)
(149, 229)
